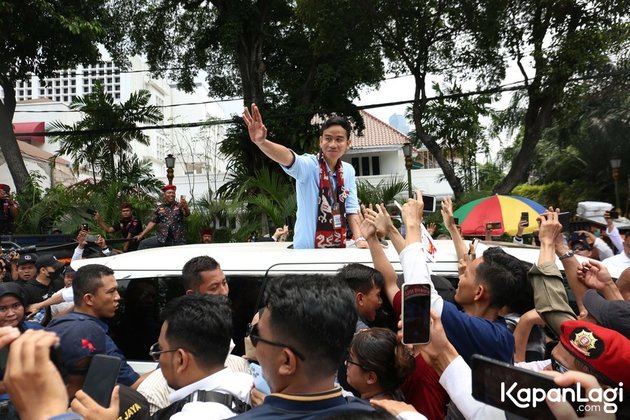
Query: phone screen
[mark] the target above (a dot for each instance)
(101, 378)
(4, 356)
(525, 217)
(565, 220)
(498, 384)
(415, 313)
(429, 203)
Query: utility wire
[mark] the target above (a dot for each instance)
(499, 89)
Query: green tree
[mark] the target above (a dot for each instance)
(40, 37)
(103, 138)
(457, 40)
(384, 192)
(456, 126)
(294, 59)
(560, 40)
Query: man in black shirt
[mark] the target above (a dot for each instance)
(41, 287)
(128, 225)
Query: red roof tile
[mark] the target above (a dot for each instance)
(377, 133)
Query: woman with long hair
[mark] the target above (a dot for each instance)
(377, 364)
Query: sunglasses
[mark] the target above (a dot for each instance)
(253, 334)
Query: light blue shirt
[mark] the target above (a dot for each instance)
(305, 170)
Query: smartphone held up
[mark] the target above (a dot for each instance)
(416, 317)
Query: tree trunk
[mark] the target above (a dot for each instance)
(8, 142)
(537, 119)
(418, 107)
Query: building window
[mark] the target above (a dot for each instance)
(355, 165)
(366, 165)
(376, 165)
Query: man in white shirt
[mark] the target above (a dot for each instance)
(194, 342)
(621, 260)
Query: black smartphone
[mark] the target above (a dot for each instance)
(493, 225)
(429, 203)
(85, 226)
(525, 217)
(512, 389)
(456, 220)
(91, 211)
(565, 220)
(614, 214)
(101, 378)
(415, 313)
(91, 238)
(4, 356)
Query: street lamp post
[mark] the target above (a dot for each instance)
(170, 164)
(615, 164)
(407, 149)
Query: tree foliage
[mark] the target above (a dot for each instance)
(294, 59)
(560, 40)
(456, 40)
(103, 138)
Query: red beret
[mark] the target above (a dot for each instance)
(169, 187)
(5, 187)
(207, 231)
(603, 349)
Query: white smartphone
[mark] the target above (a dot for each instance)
(428, 200)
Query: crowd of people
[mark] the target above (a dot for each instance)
(319, 346)
(316, 347)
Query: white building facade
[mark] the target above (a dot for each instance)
(47, 100)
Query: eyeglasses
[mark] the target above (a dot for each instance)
(349, 361)
(13, 307)
(557, 366)
(253, 335)
(155, 352)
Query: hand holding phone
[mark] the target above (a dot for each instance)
(498, 384)
(525, 219)
(565, 220)
(416, 318)
(101, 378)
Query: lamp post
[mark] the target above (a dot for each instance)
(407, 149)
(615, 164)
(170, 164)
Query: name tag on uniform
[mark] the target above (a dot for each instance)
(336, 216)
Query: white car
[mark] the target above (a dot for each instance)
(149, 278)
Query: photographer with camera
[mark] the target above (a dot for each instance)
(128, 225)
(8, 211)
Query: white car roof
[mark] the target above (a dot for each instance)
(260, 258)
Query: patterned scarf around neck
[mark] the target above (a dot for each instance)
(326, 234)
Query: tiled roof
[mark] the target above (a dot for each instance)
(377, 134)
(38, 154)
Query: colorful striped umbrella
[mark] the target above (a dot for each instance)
(506, 209)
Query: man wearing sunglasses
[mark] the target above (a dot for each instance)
(301, 338)
(193, 344)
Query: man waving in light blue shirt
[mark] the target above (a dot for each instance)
(326, 186)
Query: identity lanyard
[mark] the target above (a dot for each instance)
(333, 199)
